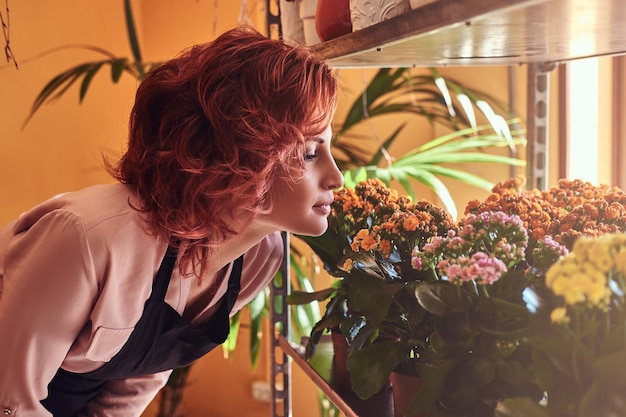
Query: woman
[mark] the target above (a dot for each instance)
(105, 290)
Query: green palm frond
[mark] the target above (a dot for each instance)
(60, 83)
(430, 162)
(445, 102)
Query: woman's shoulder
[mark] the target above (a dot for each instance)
(106, 213)
(90, 206)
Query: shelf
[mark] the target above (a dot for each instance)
(485, 32)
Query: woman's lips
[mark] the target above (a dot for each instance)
(323, 208)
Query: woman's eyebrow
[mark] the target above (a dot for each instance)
(317, 139)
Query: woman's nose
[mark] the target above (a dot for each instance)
(334, 177)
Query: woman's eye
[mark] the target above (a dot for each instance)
(310, 157)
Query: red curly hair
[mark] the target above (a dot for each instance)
(214, 127)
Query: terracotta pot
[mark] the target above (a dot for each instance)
(332, 19)
(378, 405)
(404, 388)
(340, 356)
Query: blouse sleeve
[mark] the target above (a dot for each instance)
(48, 289)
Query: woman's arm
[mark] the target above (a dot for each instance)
(48, 289)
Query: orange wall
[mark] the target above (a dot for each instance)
(62, 146)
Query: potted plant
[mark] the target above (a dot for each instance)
(474, 357)
(578, 336)
(507, 322)
(368, 246)
(576, 305)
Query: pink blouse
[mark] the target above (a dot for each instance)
(75, 272)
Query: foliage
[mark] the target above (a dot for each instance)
(86, 71)
(579, 333)
(516, 310)
(371, 233)
(444, 102)
(474, 357)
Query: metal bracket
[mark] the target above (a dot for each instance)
(280, 319)
(538, 85)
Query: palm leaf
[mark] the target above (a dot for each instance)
(87, 80)
(258, 309)
(132, 38)
(56, 87)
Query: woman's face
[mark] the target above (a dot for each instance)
(302, 204)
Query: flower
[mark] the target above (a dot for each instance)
(477, 298)
(483, 249)
(378, 228)
(579, 339)
(519, 305)
(372, 231)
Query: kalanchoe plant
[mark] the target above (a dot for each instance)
(367, 246)
(579, 334)
(517, 310)
(474, 358)
(565, 212)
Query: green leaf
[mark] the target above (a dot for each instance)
(371, 366)
(303, 297)
(438, 297)
(132, 33)
(257, 312)
(433, 388)
(370, 295)
(445, 93)
(520, 407)
(381, 152)
(230, 344)
(57, 86)
(426, 178)
(462, 176)
(87, 80)
(512, 371)
(117, 68)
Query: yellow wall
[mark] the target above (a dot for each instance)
(61, 148)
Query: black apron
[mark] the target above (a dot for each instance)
(162, 340)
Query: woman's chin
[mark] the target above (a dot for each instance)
(314, 232)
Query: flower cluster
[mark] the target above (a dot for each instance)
(579, 339)
(482, 250)
(519, 305)
(376, 220)
(589, 275)
(565, 212)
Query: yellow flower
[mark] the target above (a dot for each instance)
(573, 289)
(600, 255)
(559, 315)
(620, 261)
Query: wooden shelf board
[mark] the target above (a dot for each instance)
(485, 32)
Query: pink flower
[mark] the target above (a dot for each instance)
(481, 268)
